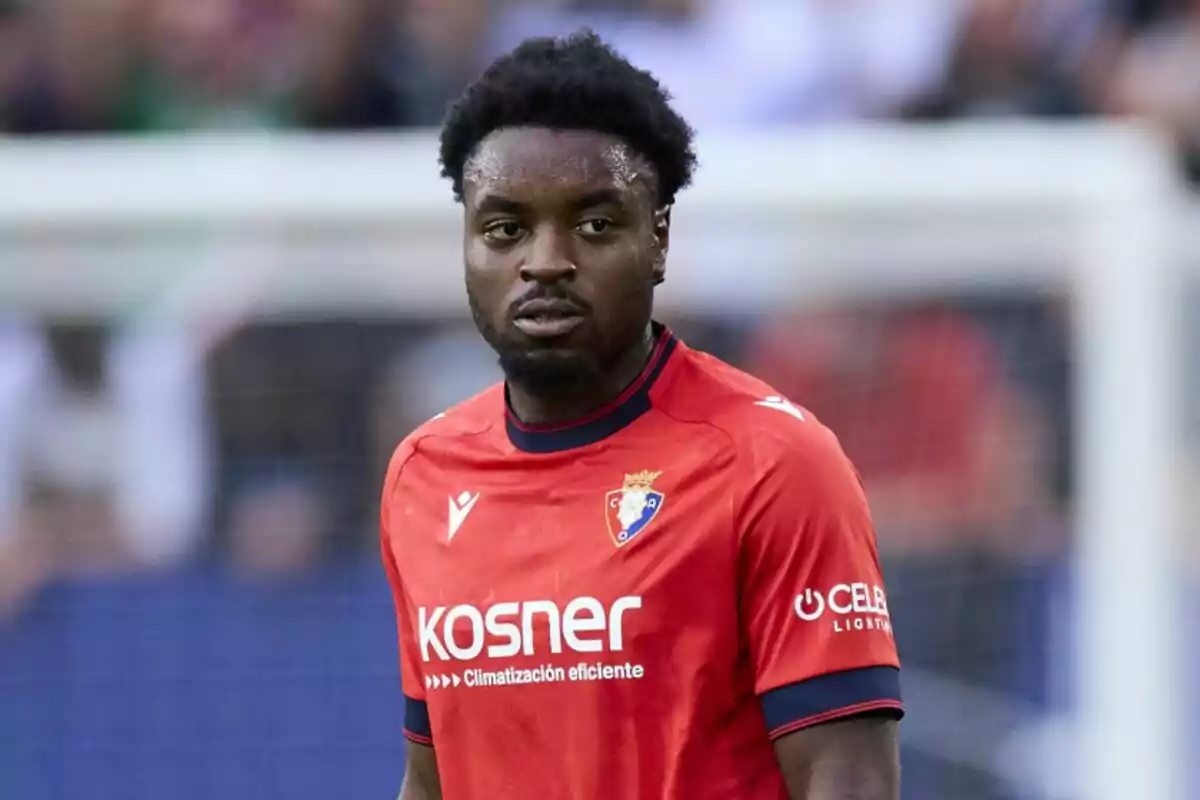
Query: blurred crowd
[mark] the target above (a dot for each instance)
(171, 65)
(189, 519)
(127, 447)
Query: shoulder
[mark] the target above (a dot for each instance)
(470, 419)
(790, 470)
(768, 431)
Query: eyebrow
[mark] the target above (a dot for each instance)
(493, 203)
(600, 197)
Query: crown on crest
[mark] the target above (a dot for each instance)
(640, 481)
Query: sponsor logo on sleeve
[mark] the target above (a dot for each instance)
(846, 607)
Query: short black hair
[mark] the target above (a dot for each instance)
(573, 83)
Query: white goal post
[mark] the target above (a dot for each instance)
(314, 226)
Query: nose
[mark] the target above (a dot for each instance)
(549, 259)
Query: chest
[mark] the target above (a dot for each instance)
(550, 557)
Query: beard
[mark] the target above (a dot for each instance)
(551, 373)
(542, 369)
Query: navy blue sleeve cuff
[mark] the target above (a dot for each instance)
(416, 721)
(833, 696)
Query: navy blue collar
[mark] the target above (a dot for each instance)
(633, 403)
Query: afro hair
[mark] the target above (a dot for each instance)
(575, 83)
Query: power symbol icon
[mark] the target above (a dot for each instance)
(810, 605)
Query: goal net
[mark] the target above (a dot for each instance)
(208, 347)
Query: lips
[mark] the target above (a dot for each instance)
(543, 309)
(548, 319)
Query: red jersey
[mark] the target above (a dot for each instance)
(636, 604)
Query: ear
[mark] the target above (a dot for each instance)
(662, 242)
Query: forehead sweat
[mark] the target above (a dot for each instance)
(488, 165)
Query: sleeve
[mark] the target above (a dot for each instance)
(813, 606)
(416, 713)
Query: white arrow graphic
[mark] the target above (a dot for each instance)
(456, 680)
(779, 404)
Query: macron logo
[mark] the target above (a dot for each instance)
(459, 509)
(779, 404)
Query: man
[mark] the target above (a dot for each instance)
(629, 571)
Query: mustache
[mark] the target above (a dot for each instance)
(548, 293)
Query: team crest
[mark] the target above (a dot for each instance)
(631, 508)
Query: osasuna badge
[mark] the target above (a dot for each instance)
(631, 508)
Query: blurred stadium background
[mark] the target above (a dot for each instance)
(961, 231)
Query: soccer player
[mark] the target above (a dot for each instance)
(629, 571)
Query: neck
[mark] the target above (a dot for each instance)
(541, 409)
